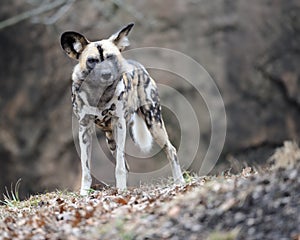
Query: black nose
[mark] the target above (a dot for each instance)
(106, 76)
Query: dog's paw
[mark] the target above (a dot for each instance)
(179, 180)
(84, 192)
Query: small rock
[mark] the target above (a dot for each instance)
(174, 211)
(250, 221)
(239, 217)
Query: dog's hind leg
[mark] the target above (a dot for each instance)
(85, 142)
(160, 136)
(158, 131)
(111, 143)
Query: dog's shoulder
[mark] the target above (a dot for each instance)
(135, 66)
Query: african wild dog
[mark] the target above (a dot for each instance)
(114, 93)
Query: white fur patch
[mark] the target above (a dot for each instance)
(142, 136)
(77, 46)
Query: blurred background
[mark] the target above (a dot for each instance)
(250, 48)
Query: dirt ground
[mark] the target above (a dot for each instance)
(255, 204)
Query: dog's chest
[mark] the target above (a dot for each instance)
(118, 101)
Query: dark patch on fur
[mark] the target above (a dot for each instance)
(147, 82)
(104, 112)
(120, 97)
(100, 49)
(112, 107)
(107, 95)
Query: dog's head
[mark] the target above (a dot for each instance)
(99, 60)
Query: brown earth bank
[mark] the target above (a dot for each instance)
(263, 204)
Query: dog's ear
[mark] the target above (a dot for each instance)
(73, 44)
(120, 38)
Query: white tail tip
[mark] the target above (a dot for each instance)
(140, 133)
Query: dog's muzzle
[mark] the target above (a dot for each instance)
(100, 78)
(103, 74)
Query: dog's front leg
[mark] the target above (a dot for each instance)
(85, 142)
(120, 137)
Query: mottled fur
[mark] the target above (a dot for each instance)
(114, 93)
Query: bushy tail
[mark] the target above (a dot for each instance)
(140, 133)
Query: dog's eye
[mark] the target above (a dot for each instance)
(109, 56)
(91, 62)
